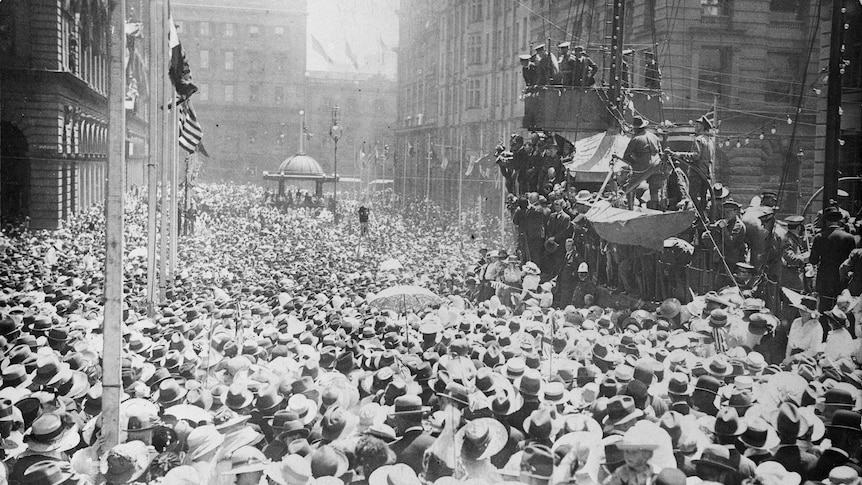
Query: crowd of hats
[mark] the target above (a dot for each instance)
(268, 363)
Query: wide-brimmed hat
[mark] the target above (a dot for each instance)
(644, 435)
(51, 432)
(291, 470)
(788, 421)
(842, 475)
(638, 122)
(621, 410)
(759, 435)
(203, 440)
(529, 384)
(409, 405)
(846, 420)
(328, 461)
(715, 456)
(170, 392)
(718, 366)
(238, 396)
(398, 473)
(247, 459)
(337, 423)
(727, 423)
(481, 438)
(46, 472)
(125, 462)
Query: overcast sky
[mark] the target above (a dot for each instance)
(362, 24)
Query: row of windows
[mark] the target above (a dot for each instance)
(255, 61)
(214, 29)
(256, 93)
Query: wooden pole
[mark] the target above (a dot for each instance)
(428, 173)
(112, 333)
(167, 140)
(156, 39)
(832, 162)
(460, 183)
(175, 170)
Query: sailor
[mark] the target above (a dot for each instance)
(642, 153)
(567, 65)
(747, 280)
(547, 68)
(584, 74)
(769, 198)
(700, 161)
(729, 235)
(528, 69)
(652, 73)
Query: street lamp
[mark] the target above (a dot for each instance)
(335, 133)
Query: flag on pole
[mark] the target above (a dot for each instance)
(179, 71)
(351, 55)
(318, 47)
(190, 130)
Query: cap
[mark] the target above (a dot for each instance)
(540, 47)
(525, 57)
(578, 48)
(564, 45)
(731, 203)
(842, 193)
(793, 221)
(583, 268)
(744, 267)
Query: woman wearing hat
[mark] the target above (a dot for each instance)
(806, 332)
(839, 343)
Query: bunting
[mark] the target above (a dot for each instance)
(190, 130)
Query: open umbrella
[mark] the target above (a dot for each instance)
(404, 299)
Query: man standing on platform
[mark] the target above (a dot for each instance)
(828, 250)
(700, 162)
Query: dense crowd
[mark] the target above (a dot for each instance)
(273, 360)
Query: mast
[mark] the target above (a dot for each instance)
(617, 23)
(833, 104)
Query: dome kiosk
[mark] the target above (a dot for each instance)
(301, 169)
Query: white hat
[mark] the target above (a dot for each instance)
(583, 268)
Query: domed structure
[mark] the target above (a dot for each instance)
(301, 164)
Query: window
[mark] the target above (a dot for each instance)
(228, 30)
(228, 92)
(205, 29)
(474, 49)
(205, 59)
(228, 61)
(254, 93)
(487, 47)
(783, 68)
(203, 91)
(713, 78)
(475, 12)
(279, 31)
(714, 8)
(474, 93)
(279, 94)
(180, 26)
(253, 30)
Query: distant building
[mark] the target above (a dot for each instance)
(53, 87)
(366, 107)
(248, 59)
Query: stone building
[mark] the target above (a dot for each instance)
(248, 59)
(53, 86)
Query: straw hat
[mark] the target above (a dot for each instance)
(481, 438)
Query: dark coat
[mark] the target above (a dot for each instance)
(795, 460)
(829, 249)
(410, 449)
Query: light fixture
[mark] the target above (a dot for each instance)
(774, 128)
(762, 135)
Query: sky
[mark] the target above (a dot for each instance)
(360, 23)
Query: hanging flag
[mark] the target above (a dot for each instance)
(190, 129)
(484, 162)
(179, 71)
(318, 47)
(351, 55)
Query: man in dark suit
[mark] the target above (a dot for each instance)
(535, 218)
(406, 418)
(528, 69)
(828, 250)
(584, 74)
(567, 65)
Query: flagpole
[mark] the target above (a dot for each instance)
(114, 203)
(166, 100)
(460, 183)
(406, 159)
(428, 173)
(174, 195)
(156, 37)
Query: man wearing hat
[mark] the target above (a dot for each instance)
(406, 418)
(829, 249)
(586, 292)
(584, 74)
(729, 235)
(700, 162)
(528, 70)
(851, 272)
(547, 68)
(642, 153)
(557, 230)
(794, 253)
(567, 65)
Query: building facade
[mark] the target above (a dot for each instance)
(247, 57)
(53, 87)
(366, 114)
(460, 82)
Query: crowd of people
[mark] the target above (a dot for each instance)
(271, 361)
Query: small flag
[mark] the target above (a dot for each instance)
(445, 162)
(190, 130)
(318, 47)
(351, 55)
(179, 71)
(471, 164)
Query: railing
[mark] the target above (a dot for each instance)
(715, 20)
(787, 24)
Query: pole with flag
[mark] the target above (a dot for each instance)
(428, 172)
(112, 322)
(156, 45)
(167, 140)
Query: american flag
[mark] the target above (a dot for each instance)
(190, 129)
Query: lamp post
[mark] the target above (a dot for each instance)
(335, 133)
